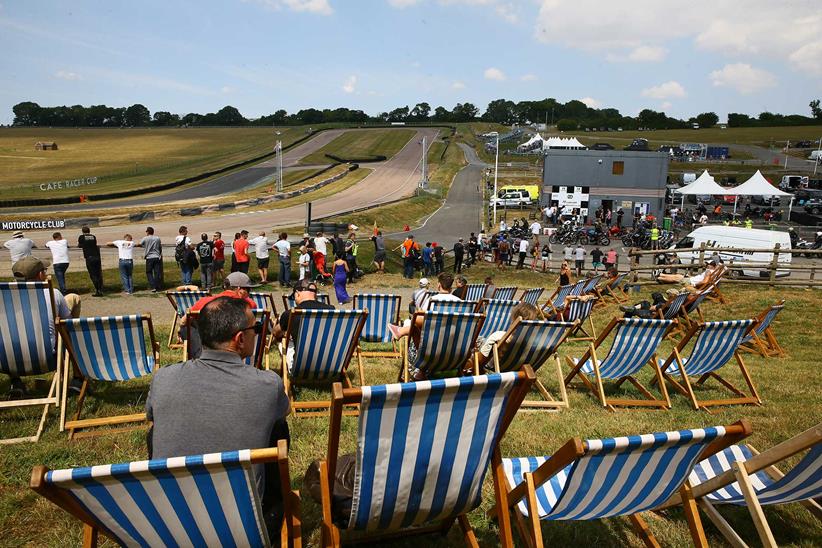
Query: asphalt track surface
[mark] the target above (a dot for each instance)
(391, 180)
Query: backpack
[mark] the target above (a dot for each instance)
(180, 251)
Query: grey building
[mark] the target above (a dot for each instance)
(588, 179)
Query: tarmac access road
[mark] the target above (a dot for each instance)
(392, 179)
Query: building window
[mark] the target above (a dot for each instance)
(618, 168)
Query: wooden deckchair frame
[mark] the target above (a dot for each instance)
(598, 388)
(308, 408)
(416, 335)
(53, 395)
(76, 423)
(530, 528)
(686, 386)
(548, 402)
(331, 534)
(740, 472)
(290, 532)
(176, 323)
(549, 304)
(769, 347)
(608, 291)
(715, 294)
(581, 325)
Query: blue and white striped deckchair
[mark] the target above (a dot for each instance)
(458, 307)
(200, 500)
(579, 310)
(107, 349)
(181, 301)
(611, 477)
(613, 289)
(264, 301)
(531, 296)
(423, 450)
(505, 293)
(694, 307)
(556, 301)
(591, 284)
(741, 476)
(27, 310)
(577, 290)
(383, 309)
(475, 292)
(289, 303)
(497, 316)
(447, 341)
(323, 344)
(716, 343)
(761, 338)
(533, 342)
(635, 345)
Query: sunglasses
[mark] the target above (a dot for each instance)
(257, 327)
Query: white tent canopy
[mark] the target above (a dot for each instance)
(704, 185)
(563, 143)
(757, 185)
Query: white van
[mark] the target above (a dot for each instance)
(737, 237)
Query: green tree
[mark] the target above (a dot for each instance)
(464, 112)
(441, 114)
(137, 115)
(815, 110)
(165, 118)
(421, 111)
(567, 124)
(500, 111)
(398, 114)
(707, 119)
(26, 113)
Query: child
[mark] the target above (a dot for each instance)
(596, 258)
(304, 261)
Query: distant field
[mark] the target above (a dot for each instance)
(762, 136)
(123, 158)
(362, 144)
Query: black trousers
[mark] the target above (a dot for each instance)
(154, 273)
(95, 272)
(521, 260)
(458, 262)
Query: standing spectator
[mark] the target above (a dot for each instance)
(153, 254)
(241, 252)
(205, 252)
(536, 228)
(596, 258)
(546, 256)
(655, 237)
(351, 250)
(408, 257)
(553, 215)
(428, 259)
(320, 252)
(190, 263)
(284, 253)
(514, 249)
(91, 253)
(217, 267)
(182, 243)
(304, 261)
(620, 214)
(523, 252)
(503, 226)
(379, 251)
(234, 255)
(125, 254)
(504, 249)
(459, 252)
(568, 253)
(260, 243)
(473, 247)
(608, 217)
(579, 258)
(439, 258)
(338, 246)
(19, 246)
(60, 258)
(340, 276)
(564, 274)
(546, 213)
(610, 259)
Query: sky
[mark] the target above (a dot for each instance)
(375, 55)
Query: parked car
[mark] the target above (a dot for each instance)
(814, 206)
(602, 146)
(765, 200)
(638, 144)
(513, 198)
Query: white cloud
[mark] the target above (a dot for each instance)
(493, 73)
(528, 77)
(402, 4)
(667, 90)
(67, 75)
(507, 12)
(227, 89)
(458, 85)
(743, 78)
(666, 105)
(808, 58)
(640, 54)
(319, 7)
(349, 86)
(590, 102)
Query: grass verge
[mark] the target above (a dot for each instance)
(362, 144)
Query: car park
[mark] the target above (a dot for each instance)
(513, 198)
(814, 206)
(765, 200)
(602, 146)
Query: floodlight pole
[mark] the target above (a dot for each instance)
(424, 165)
(278, 150)
(496, 168)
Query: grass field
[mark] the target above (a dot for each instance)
(762, 136)
(790, 388)
(122, 159)
(362, 144)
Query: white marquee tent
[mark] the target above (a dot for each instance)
(704, 185)
(562, 143)
(758, 185)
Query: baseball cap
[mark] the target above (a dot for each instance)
(423, 282)
(29, 267)
(305, 285)
(18, 234)
(240, 279)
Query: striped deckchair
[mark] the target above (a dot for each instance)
(475, 292)
(382, 309)
(446, 343)
(716, 343)
(577, 290)
(201, 500)
(591, 284)
(289, 303)
(262, 340)
(716, 277)
(612, 477)
(742, 476)
(613, 289)
(761, 338)
(264, 301)
(579, 311)
(26, 309)
(181, 301)
(635, 344)
(323, 344)
(688, 310)
(556, 301)
(671, 309)
(459, 307)
(531, 296)
(533, 342)
(422, 453)
(505, 293)
(497, 316)
(106, 349)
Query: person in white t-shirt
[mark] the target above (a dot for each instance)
(125, 252)
(536, 228)
(59, 258)
(320, 251)
(523, 252)
(19, 246)
(304, 261)
(445, 282)
(260, 243)
(284, 252)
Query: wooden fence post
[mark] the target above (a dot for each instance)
(774, 261)
(634, 262)
(702, 255)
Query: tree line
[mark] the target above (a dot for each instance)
(573, 115)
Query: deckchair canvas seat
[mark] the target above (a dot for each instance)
(383, 308)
